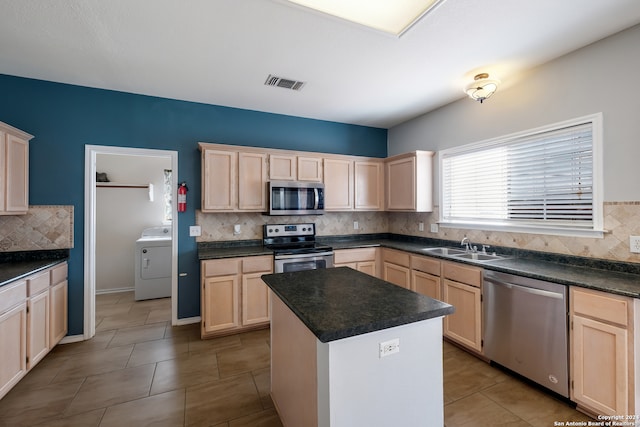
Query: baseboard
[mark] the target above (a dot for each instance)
(71, 339)
(114, 291)
(187, 321)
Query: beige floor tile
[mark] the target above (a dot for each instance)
(256, 337)
(122, 321)
(215, 344)
(218, 401)
(108, 299)
(101, 391)
(262, 378)
(42, 374)
(87, 419)
(100, 341)
(159, 315)
(107, 310)
(93, 363)
(191, 331)
(185, 371)
(126, 297)
(246, 358)
(531, 404)
(479, 411)
(136, 334)
(465, 374)
(161, 410)
(29, 407)
(158, 350)
(267, 418)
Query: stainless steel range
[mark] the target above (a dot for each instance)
(295, 248)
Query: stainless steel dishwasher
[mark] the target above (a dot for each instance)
(526, 328)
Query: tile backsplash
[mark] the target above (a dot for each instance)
(42, 227)
(621, 219)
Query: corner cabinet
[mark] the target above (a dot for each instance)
(234, 298)
(396, 267)
(233, 181)
(360, 259)
(601, 352)
(409, 182)
(14, 170)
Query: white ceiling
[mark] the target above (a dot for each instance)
(221, 51)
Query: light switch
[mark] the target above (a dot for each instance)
(195, 231)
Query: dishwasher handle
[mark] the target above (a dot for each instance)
(529, 290)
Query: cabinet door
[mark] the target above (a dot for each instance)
(401, 182)
(252, 182)
(13, 348)
(282, 167)
(338, 184)
(425, 284)
(37, 328)
(219, 180)
(58, 319)
(17, 175)
(310, 169)
(367, 267)
(255, 300)
(220, 303)
(599, 366)
(396, 274)
(369, 186)
(463, 325)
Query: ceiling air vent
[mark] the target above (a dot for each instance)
(282, 82)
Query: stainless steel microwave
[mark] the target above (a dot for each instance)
(296, 198)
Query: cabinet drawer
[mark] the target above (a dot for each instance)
(344, 256)
(220, 267)
(426, 265)
(462, 273)
(38, 283)
(395, 257)
(59, 273)
(600, 305)
(257, 263)
(12, 294)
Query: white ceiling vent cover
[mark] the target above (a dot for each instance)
(284, 83)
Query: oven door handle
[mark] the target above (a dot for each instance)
(305, 256)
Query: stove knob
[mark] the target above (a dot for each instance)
(271, 230)
(277, 230)
(304, 229)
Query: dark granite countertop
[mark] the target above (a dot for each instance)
(608, 276)
(336, 303)
(15, 266)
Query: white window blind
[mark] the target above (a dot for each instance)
(539, 179)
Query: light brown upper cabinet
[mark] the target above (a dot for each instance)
(369, 185)
(338, 184)
(409, 182)
(284, 167)
(233, 181)
(14, 170)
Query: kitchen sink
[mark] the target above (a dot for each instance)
(478, 256)
(445, 251)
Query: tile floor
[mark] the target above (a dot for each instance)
(139, 371)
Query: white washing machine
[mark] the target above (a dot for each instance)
(153, 263)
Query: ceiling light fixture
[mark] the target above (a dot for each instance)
(390, 16)
(482, 87)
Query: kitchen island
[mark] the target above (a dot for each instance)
(348, 349)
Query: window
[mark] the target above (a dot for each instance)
(546, 180)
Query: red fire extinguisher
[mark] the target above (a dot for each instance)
(182, 197)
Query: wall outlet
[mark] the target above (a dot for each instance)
(434, 228)
(421, 226)
(195, 231)
(355, 225)
(237, 229)
(389, 347)
(634, 244)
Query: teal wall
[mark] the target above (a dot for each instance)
(65, 118)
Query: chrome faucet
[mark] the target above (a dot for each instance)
(466, 243)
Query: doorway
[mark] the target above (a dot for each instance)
(92, 153)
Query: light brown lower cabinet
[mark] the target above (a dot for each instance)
(601, 352)
(396, 267)
(234, 297)
(425, 276)
(360, 259)
(462, 288)
(33, 319)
